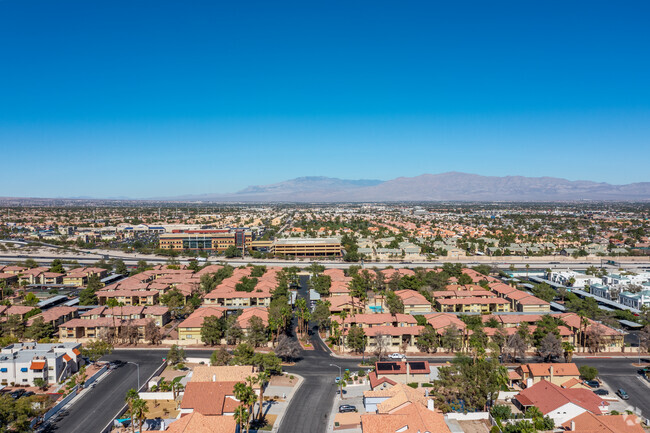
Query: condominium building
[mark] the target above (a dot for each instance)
(22, 363)
(307, 247)
(206, 240)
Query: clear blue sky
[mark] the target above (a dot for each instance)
(159, 98)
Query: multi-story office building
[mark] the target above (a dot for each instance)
(206, 240)
(307, 247)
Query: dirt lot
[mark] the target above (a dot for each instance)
(157, 409)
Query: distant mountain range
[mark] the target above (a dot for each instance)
(451, 186)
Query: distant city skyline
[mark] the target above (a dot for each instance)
(150, 99)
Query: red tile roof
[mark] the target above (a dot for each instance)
(207, 398)
(548, 397)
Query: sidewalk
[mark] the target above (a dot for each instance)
(279, 409)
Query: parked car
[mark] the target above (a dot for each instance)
(593, 383)
(347, 408)
(601, 391)
(396, 356)
(28, 394)
(621, 393)
(17, 393)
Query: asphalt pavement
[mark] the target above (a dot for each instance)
(621, 373)
(101, 404)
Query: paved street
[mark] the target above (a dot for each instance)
(620, 373)
(96, 409)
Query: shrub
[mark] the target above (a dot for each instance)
(588, 372)
(427, 385)
(362, 373)
(413, 384)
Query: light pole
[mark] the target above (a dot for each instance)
(639, 337)
(137, 365)
(340, 379)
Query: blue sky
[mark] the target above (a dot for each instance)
(160, 98)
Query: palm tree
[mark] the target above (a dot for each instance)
(177, 387)
(139, 411)
(262, 378)
(131, 396)
(241, 416)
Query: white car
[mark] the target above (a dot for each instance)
(396, 356)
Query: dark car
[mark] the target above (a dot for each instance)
(28, 394)
(17, 393)
(621, 393)
(347, 408)
(593, 383)
(601, 392)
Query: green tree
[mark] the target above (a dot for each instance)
(95, 349)
(427, 339)
(465, 280)
(321, 284)
(212, 330)
(39, 329)
(356, 339)
(469, 380)
(30, 300)
(175, 355)
(220, 357)
(40, 383)
(451, 339)
(268, 362)
(588, 372)
(321, 314)
(394, 303)
(120, 268)
(257, 334)
(262, 379)
(131, 396)
(242, 354)
(232, 251)
(175, 301)
(57, 266)
(88, 295)
(234, 334)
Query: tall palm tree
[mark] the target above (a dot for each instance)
(241, 416)
(262, 379)
(131, 396)
(139, 412)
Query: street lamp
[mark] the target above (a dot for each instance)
(639, 337)
(137, 365)
(340, 379)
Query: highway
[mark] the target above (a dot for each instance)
(499, 262)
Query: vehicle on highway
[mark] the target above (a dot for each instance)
(621, 393)
(396, 356)
(347, 408)
(593, 383)
(601, 391)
